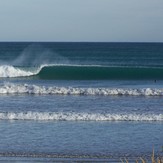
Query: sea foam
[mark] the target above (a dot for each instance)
(11, 88)
(7, 71)
(71, 116)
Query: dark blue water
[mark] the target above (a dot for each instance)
(80, 101)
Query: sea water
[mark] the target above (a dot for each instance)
(80, 101)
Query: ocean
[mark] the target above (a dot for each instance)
(69, 102)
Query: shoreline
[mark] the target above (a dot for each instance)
(49, 158)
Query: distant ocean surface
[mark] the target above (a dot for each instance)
(80, 101)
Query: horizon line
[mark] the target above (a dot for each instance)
(81, 42)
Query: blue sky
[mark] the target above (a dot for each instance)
(81, 20)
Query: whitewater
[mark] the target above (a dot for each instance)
(71, 116)
(9, 71)
(13, 88)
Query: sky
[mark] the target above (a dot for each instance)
(81, 20)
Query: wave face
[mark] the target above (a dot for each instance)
(81, 72)
(61, 116)
(10, 88)
(95, 72)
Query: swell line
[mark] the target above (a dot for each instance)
(81, 72)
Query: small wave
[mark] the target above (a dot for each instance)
(11, 88)
(71, 116)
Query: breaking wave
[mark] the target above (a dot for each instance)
(7, 71)
(81, 72)
(71, 116)
(11, 88)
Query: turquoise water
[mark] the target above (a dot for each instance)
(93, 60)
(80, 101)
